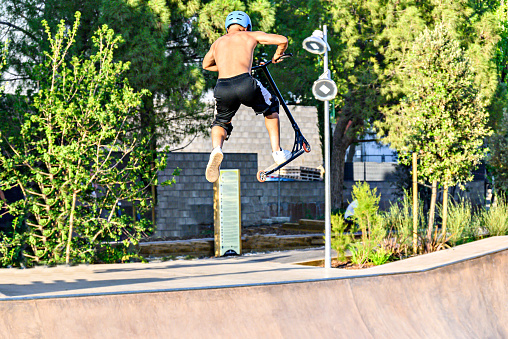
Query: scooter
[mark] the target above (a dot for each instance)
(300, 145)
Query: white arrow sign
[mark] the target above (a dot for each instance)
(324, 89)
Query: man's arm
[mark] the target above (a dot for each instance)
(273, 39)
(209, 60)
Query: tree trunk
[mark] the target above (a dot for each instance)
(351, 153)
(415, 201)
(432, 213)
(148, 125)
(71, 229)
(445, 212)
(340, 142)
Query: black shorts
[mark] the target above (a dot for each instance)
(243, 89)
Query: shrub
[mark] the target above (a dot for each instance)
(340, 239)
(380, 256)
(359, 253)
(398, 220)
(75, 153)
(368, 221)
(495, 220)
(366, 214)
(460, 226)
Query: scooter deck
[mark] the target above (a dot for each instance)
(262, 175)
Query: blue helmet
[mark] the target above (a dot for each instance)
(240, 18)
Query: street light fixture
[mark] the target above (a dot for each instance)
(324, 89)
(315, 44)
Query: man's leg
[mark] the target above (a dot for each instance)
(263, 102)
(273, 126)
(219, 134)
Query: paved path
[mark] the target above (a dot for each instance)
(461, 292)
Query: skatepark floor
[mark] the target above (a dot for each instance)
(462, 292)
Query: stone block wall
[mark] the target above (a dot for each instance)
(186, 205)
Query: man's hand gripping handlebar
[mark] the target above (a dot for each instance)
(266, 63)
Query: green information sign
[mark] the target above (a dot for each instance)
(227, 213)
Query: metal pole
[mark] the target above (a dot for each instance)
(278, 194)
(328, 200)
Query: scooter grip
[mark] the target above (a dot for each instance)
(285, 56)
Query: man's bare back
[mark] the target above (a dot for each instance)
(232, 54)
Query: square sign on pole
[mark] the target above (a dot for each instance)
(227, 213)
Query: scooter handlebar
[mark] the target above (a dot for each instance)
(265, 64)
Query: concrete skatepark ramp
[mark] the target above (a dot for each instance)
(457, 293)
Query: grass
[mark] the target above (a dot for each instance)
(495, 220)
(390, 235)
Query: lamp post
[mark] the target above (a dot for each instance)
(324, 89)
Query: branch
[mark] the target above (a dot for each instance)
(31, 256)
(14, 79)
(19, 29)
(365, 140)
(39, 227)
(190, 142)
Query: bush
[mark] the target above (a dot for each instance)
(340, 239)
(368, 220)
(380, 256)
(75, 153)
(398, 220)
(460, 225)
(366, 215)
(359, 253)
(495, 220)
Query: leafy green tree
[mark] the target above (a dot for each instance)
(498, 157)
(162, 45)
(443, 115)
(212, 16)
(76, 156)
(2, 61)
(160, 41)
(369, 41)
(498, 142)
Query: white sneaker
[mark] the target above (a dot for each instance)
(213, 167)
(281, 156)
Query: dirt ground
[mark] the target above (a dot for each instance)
(348, 265)
(207, 232)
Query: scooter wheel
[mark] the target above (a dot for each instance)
(306, 147)
(261, 176)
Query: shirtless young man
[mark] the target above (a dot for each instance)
(231, 55)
